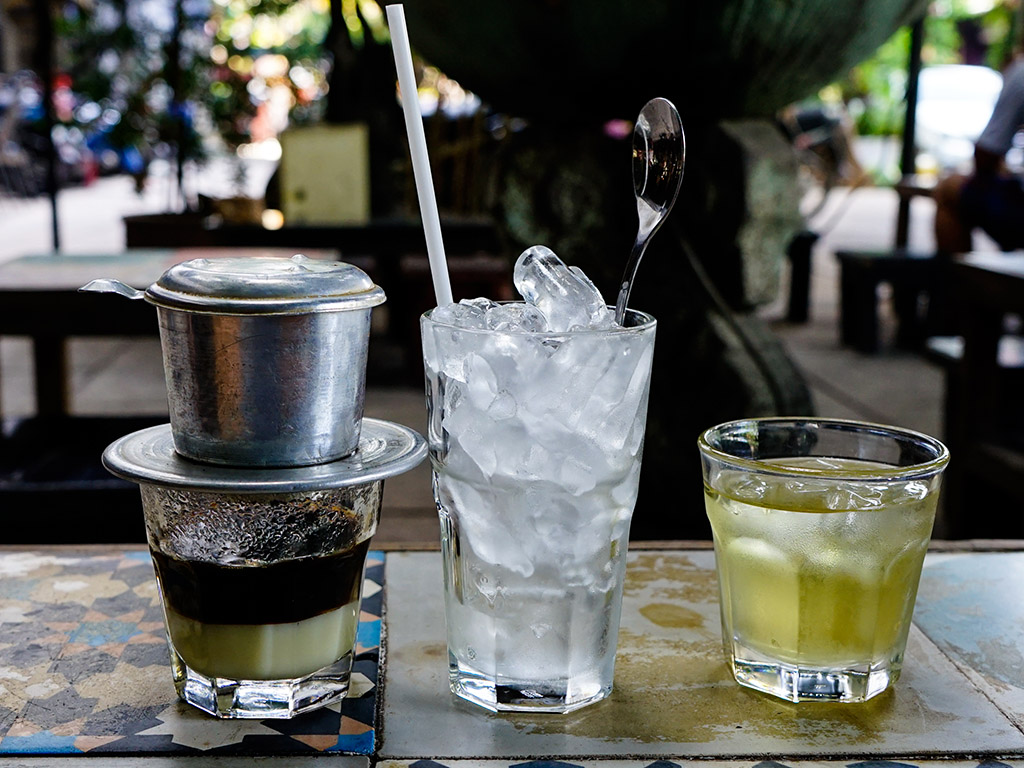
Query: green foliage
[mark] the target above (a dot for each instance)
(115, 56)
(874, 90)
(233, 57)
(260, 46)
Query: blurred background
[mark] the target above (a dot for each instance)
(817, 131)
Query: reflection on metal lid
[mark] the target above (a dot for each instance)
(264, 285)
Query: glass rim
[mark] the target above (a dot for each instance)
(883, 472)
(647, 322)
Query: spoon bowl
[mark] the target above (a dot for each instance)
(659, 158)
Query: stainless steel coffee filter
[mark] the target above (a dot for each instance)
(265, 358)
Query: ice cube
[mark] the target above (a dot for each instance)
(503, 406)
(618, 401)
(472, 453)
(624, 491)
(764, 593)
(567, 300)
(481, 381)
(480, 303)
(516, 317)
(484, 525)
(577, 475)
(855, 496)
(468, 313)
(582, 276)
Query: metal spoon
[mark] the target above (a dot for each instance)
(659, 157)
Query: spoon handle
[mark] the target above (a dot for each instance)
(639, 246)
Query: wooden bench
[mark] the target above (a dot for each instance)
(910, 275)
(994, 466)
(861, 272)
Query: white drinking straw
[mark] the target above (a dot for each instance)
(418, 149)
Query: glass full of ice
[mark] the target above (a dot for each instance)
(537, 412)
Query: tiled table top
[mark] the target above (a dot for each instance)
(972, 608)
(83, 668)
(674, 696)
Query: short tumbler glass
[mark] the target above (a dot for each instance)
(261, 593)
(535, 441)
(820, 531)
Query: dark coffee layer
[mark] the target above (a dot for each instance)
(286, 591)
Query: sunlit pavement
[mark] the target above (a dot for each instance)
(91, 216)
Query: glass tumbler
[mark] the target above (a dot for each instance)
(820, 531)
(260, 593)
(535, 442)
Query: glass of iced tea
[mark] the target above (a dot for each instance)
(820, 531)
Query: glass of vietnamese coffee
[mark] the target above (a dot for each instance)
(260, 571)
(260, 593)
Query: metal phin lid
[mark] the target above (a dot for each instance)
(264, 285)
(148, 457)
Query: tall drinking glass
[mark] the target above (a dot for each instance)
(535, 441)
(820, 530)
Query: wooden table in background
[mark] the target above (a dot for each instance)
(984, 489)
(39, 298)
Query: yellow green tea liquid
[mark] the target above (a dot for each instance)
(818, 578)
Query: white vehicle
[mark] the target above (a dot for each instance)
(954, 103)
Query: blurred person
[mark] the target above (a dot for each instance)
(990, 198)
